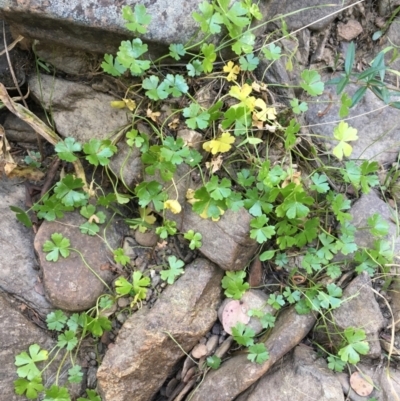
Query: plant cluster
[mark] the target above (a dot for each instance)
(295, 206)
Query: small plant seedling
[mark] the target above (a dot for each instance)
(234, 284)
(194, 238)
(175, 270)
(58, 245)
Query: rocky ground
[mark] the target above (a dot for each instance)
(156, 349)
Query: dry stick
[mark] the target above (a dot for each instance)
(40, 127)
(50, 176)
(39, 141)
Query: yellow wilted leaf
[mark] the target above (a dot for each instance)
(242, 94)
(221, 144)
(130, 104)
(344, 133)
(117, 104)
(264, 113)
(173, 205)
(232, 70)
(121, 104)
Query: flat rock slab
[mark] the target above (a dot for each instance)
(368, 205)
(144, 354)
(77, 110)
(16, 335)
(301, 376)
(19, 269)
(359, 309)
(378, 126)
(237, 374)
(69, 284)
(80, 23)
(322, 13)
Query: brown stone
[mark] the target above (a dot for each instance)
(69, 283)
(349, 31)
(238, 373)
(146, 349)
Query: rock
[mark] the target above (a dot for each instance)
(238, 373)
(377, 142)
(349, 31)
(199, 351)
(320, 12)
(70, 284)
(77, 110)
(18, 130)
(127, 165)
(185, 312)
(80, 24)
(19, 275)
(68, 60)
(191, 138)
(359, 310)
(16, 335)
(301, 376)
(386, 380)
(368, 205)
(225, 242)
(252, 299)
(148, 238)
(394, 293)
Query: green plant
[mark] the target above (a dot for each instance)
(294, 201)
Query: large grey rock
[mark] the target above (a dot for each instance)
(378, 126)
(16, 335)
(69, 283)
(368, 205)
(18, 130)
(146, 349)
(301, 376)
(359, 309)
(79, 24)
(298, 14)
(19, 270)
(77, 110)
(238, 373)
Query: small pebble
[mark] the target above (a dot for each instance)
(121, 317)
(123, 302)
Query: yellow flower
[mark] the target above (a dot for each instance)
(232, 70)
(221, 144)
(173, 205)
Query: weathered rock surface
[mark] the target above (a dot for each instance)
(70, 61)
(297, 18)
(225, 242)
(394, 293)
(301, 376)
(18, 130)
(77, 110)
(19, 270)
(127, 165)
(386, 382)
(80, 23)
(379, 142)
(186, 311)
(16, 335)
(359, 309)
(368, 205)
(69, 284)
(238, 373)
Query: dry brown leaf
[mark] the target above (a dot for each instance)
(361, 384)
(153, 115)
(215, 164)
(12, 170)
(162, 245)
(174, 124)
